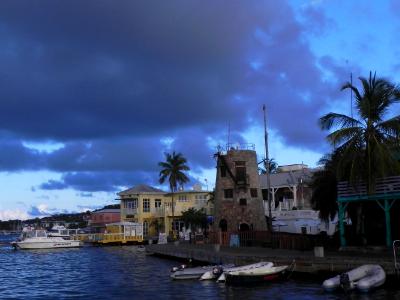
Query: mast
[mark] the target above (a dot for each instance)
(266, 165)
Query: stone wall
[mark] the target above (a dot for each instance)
(245, 208)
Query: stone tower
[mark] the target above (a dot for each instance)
(238, 200)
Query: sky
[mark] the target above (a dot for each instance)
(93, 93)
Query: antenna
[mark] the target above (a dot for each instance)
(351, 95)
(229, 135)
(351, 90)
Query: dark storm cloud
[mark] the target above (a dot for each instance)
(110, 80)
(99, 181)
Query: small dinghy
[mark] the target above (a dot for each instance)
(363, 278)
(259, 275)
(220, 273)
(194, 273)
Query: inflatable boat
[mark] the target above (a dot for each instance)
(363, 278)
(219, 272)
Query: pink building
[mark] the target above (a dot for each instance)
(100, 218)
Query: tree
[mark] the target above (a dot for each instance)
(367, 142)
(323, 184)
(194, 218)
(273, 166)
(173, 169)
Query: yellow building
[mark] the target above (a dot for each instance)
(153, 207)
(184, 200)
(143, 204)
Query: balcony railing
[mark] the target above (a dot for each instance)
(157, 211)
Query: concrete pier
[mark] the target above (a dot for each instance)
(306, 261)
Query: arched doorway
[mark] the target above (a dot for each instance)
(244, 227)
(223, 225)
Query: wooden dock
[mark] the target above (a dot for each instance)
(306, 261)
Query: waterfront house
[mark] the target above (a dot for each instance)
(100, 218)
(143, 204)
(289, 188)
(183, 201)
(153, 207)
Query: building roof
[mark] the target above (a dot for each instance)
(188, 192)
(141, 189)
(290, 178)
(107, 210)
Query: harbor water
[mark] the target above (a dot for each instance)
(126, 272)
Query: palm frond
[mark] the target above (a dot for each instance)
(340, 136)
(337, 120)
(390, 127)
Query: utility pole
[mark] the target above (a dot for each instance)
(266, 165)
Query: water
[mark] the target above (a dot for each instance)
(127, 273)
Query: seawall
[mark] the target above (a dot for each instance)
(306, 261)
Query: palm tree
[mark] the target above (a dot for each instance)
(367, 143)
(173, 169)
(272, 164)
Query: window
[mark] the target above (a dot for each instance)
(222, 170)
(243, 201)
(131, 204)
(253, 193)
(240, 167)
(157, 203)
(178, 225)
(182, 198)
(228, 193)
(146, 205)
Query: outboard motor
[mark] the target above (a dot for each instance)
(345, 282)
(217, 271)
(181, 267)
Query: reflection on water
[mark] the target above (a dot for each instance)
(127, 273)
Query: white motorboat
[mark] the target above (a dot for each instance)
(38, 239)
(194, 273)
(221, 274)
(363, 278)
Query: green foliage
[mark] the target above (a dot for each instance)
(194, 218)
(324, 186)
(366, 143)
(272, 164)
(173, 169)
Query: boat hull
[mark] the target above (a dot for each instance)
(190, 273)
(248, 278)
(221, 278)
(47, 244)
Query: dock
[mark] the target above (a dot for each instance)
(306, 261)
(108, 238)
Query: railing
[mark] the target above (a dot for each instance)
(236, 146)
(278, 240)
(387, 185)
(129, 211)
(157, 211)
(108, 237)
